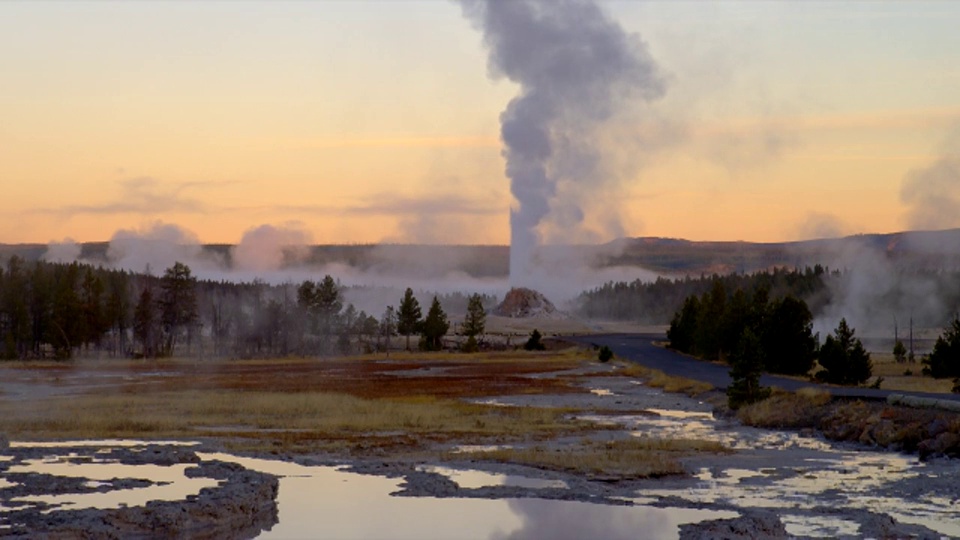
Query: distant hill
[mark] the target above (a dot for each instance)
(915, 250)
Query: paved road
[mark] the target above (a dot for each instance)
(640, 348)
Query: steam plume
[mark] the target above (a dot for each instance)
(578, 70)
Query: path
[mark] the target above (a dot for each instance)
(640, 348)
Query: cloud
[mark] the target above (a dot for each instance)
(392, 204)
(144, 195)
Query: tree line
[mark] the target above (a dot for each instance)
(58, 310)
(655, 302)
(757, 334)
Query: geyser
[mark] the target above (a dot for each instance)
(578, 70)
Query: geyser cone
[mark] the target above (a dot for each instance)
(521, 302)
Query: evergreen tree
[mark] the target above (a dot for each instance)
(178, 304)
(409, 315)
(789, 346)
(388, 326)
(843, 358)
(145, 327)
(435, 326)
(899, 352)
(944, 361)
(474, 323)
(747, 366)
(535, 343)
(683, 327)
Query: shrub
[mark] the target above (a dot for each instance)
(535, 342)
(605, 354)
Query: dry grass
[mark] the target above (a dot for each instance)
(894, 377)
(799, 409)
(269, 416)
(640, 457)
(668, 383)
(360, 404)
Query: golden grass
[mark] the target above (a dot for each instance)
(639, 457)
(894, 378)
(786, 409)
(261, 414)
(668, 383)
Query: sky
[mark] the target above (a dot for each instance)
(379, 121)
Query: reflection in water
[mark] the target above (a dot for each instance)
(819, 527)
(472, 479)
(324, 502)
(169, 483)
(848, 480)
(551, 520)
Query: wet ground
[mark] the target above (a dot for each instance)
(810, 487)
(815, 489)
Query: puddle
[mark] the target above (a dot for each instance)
(326, 502)
(863, 480)
(473, 479)
(169, 483)
(471, 448)
(601, 392)
(819, 527)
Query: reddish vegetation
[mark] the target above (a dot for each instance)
(366, 378)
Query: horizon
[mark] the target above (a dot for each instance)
(379, 123)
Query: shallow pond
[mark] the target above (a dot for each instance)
(328, 502)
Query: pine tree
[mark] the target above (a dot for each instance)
(435, 326)
(409, 316)
(843, 358)
(388, 326)
(747, 366)
(474, 323)
(534, 343)
(944, 360)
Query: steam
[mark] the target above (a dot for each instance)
(66, 251)
(152, 247)
(578, 71)
(932, 194)
(268, 247)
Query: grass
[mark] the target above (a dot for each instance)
(639, 457)
(894, 377)
(357, 404)
(668, 383)
(800, 409)
(270, 415)
(406, 406)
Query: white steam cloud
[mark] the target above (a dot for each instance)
(932, 195)
(268, 247)
(152, 247)
(578, 71)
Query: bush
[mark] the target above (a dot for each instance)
(535, 342)
(470, 346)
(605, 354)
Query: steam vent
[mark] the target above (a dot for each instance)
(523, 303)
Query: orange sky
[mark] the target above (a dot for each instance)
(377, 121)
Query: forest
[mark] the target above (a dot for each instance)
(62, 310)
